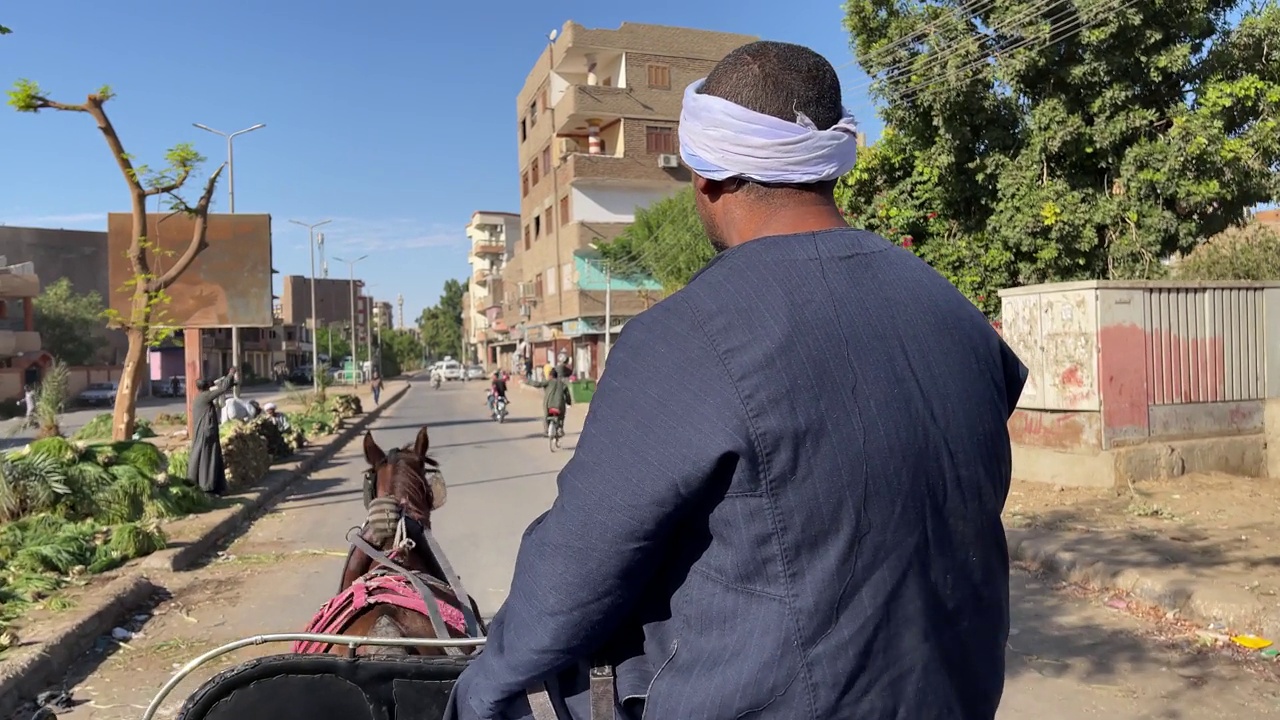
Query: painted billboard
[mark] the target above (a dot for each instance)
(228, 284)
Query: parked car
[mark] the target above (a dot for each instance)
(451, 370)
(475, 372)
(99, 394)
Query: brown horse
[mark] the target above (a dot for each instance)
(372, 595)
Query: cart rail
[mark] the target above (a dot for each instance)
(351, 642)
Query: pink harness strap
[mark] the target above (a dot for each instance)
(335, 615)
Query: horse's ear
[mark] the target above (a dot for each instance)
(422, 443)
(372, 453)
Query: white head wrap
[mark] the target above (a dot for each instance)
(720, 139)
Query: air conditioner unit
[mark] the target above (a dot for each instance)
(668, 161)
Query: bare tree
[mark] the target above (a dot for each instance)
(145, 322)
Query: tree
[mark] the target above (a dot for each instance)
(400, 351)
(666, 241)
(4, 30)
(143, 326)
(1251, 252)
(70, 324)
(334, 341)
(441, 324)
(1091, 139)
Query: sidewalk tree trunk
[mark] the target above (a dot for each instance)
(145, 324)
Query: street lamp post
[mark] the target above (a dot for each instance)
(351, 267)
(608, 308)
(231, 202)
(315, 346)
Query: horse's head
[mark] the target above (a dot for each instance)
(402, 474)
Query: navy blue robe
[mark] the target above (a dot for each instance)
(785, 503)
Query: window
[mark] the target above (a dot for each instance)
(533, 113)
(546, 159)
(537, 226)
(526, 237)
(660, 77)
(564, 211)
(566, 276)
(543, 98)
(533, 173)
(524, 130)
(659, 139)
(537, 286)
(524, 184)
(550, 282)
(550, 221)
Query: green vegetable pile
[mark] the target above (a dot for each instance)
(72, 509)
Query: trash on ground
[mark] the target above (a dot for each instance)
(121, 634)
(1252, 642)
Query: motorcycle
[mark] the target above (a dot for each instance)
(435, 382)
(500, 410)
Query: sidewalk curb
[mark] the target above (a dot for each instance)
(1195, 598)
(179, 559)
(21, 678)
(25, 677)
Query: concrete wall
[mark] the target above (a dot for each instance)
(78, 255)
(1137, 380)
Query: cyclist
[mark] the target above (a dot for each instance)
(556, 397)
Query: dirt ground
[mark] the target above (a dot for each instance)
(1207, 523)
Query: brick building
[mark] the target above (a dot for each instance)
(596, 131)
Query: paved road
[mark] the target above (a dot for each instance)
(1070, 658)
(148, 408)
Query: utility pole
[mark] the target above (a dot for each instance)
(231, 202)
(315, 345)
(351, 264)
(368, 332)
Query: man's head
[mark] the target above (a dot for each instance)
(782, 81)
(555, 373)
(269, 408)
(204, 384)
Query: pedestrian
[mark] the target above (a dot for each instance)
(173, 385)
(734, 541)
(376, 387)
(205, 466)
(29, 397)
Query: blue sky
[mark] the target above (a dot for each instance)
(396, 119)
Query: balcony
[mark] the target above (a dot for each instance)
(639, 169)
(485, 248)
(581, 103)
(19, 285)
(17, 342)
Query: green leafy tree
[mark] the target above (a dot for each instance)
(70, 324)
(1251, 252)
(666, 241)
(4, 30)
(441, 324)
(144, 323)
(334, 341)
(401, 351)
(1089, 139)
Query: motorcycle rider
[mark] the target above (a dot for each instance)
(497, 389)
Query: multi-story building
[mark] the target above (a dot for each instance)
(493, 238)
(596, 130)
(334, 303)
(22, 360)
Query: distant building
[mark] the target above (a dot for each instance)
(80, 256)
(22, 360)
(493, 237)
(1270, 218)
(596, 130)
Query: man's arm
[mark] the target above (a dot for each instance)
(664, 426)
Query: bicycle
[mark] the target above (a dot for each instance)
(555, 428)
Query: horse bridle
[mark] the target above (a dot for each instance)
(418, 534)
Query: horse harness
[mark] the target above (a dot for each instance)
(601, 676)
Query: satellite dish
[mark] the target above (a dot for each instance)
(553, 35)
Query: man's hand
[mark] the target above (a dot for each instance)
(382, 520)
